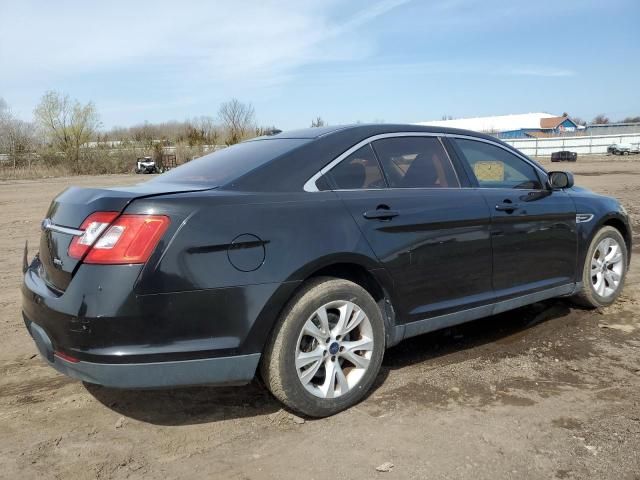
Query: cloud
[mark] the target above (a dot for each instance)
(537, 71)
(225, 40)
(438, 68)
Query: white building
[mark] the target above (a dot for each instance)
(499, 123)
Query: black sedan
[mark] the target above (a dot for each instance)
(303, 255)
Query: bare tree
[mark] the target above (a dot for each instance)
(600, 119)
(237, 119)
(318, 122)
(20, 141)
(201, 131)
(17, 137)
(209, 128)
(4, 117)
(67, 124)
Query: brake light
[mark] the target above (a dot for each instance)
(93, 226)
(127, 239)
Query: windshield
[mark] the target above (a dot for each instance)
(223, 166)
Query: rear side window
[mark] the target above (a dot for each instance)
(494, 167)
(228, 164)
(415, 162)
(360, 170)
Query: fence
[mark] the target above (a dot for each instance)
(592, 145)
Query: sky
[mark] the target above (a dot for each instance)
(399, 61)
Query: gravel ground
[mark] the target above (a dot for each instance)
(546, 391)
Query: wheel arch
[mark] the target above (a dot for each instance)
(358, 269)
(616, 221)
(375, 281)
(624, 230)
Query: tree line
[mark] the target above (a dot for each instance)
(68, 133)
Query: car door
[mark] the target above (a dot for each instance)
(430, 234)
(533, 228)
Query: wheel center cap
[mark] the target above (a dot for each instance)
(334, 348)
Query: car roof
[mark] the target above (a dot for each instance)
(290, 171)
(313, 132)
(367, 130)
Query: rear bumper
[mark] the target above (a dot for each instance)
(232, 370)
(100, 318)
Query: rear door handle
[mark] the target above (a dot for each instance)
(507, 207)
(380, 214)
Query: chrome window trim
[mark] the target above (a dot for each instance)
(386, 189)
(310, 185)
(47, 224)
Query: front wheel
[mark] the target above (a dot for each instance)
(326, 349)
(604, 269)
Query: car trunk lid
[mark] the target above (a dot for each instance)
(69, 209)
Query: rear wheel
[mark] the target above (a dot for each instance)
(604, 269)
(327, 348)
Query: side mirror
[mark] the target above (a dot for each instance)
(559, 180)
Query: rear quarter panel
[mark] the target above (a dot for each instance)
(297, 233)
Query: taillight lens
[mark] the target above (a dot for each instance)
(128, 239)
(93, 226)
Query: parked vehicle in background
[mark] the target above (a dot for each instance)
(623, 149)
(304, 255)
(564, 156)
(146, 165)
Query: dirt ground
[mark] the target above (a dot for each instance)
(547, 391)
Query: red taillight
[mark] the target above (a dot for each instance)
(93, 226)
(128, 239)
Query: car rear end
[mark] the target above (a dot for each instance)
(81, 303)
(100, 307)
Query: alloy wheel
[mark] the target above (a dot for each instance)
(607, 267)
(334, 349)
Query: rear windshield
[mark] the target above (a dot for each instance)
(223, 166)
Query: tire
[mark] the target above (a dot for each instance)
(290, 340)
(591, 296)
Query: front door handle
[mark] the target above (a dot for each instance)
(507, 207)
(380, 214)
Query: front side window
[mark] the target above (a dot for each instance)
(415, 162)
(360, 170)
(494, 167)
